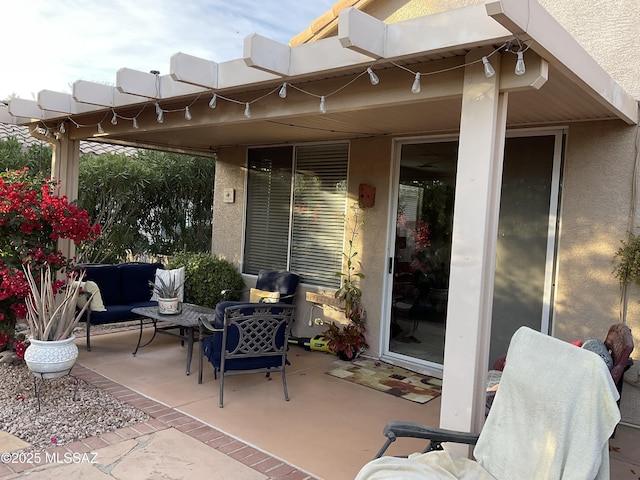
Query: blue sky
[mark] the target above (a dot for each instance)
(48, 45)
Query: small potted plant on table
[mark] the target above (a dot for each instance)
(168, 292)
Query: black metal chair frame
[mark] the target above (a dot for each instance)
(257, 326)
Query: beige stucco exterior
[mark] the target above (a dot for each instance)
(596, 195)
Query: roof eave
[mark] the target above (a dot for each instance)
(545, 36)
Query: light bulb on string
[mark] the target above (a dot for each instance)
(187, 113)
(158, 109)
(135, 123)
(520, 69)
(100, 129)
(247, 110)
(114, 119)
(160, 113)
(415, 88)
(373, 78)
(488, 68)
(283, 91)
(62, 128)
(322, 106)
(213, 101)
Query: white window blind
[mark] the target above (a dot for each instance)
(318, 213)
(300, 227)
(266, 243)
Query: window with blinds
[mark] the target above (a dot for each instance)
(295, 211)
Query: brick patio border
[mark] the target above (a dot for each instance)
(161, 418)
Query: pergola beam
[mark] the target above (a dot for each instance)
(104, 95)
(151, 85)
(461, 28)
(210, 75)
(28, 109)
(6, 117)
(551, 41)
(267, 55)
(194, 70)
(62, 103)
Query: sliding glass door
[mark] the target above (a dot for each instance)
(422, 232)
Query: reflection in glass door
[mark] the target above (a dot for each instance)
(424, 221)
(422, 245)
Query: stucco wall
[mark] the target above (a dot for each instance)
(597, 187)
(228, 217)
(370, 164)
(599, 173)
(596, 201)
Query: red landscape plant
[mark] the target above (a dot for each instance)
(33, 217)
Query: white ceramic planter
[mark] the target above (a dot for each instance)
(51, 358)
(169, 306)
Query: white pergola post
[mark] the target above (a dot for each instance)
(475, 227)
(65, 163)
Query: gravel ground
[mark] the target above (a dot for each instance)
(60, 420)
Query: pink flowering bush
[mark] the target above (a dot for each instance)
(32, 220)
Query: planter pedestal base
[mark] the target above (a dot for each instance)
(41, 378)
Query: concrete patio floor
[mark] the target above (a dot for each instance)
(328, 429)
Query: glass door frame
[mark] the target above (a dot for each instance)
(546, 322)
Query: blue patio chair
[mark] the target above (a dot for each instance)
(252, 338)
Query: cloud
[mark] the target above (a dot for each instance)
(49, 45)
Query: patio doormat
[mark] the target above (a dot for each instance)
(390, 379)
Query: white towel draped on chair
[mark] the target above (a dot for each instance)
(552, 418)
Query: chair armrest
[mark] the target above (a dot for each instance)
(204, 322)
(436, 436)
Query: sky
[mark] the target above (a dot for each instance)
(48, 45)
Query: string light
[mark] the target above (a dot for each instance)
(520, 69)
(415, 88)
(373, 77)
(159, 113)
(488, 68)
(282, 89)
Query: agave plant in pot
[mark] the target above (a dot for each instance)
(51, 317)
(167, 291)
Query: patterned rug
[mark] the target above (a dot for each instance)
(390, 379)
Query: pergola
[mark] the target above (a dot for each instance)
(202, 106)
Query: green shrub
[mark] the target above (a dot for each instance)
(627, 257)
(207, 276)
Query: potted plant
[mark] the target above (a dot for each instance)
(168, 292)
(51, 317)
(348, 341)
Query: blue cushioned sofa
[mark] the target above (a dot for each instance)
(123, 287)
